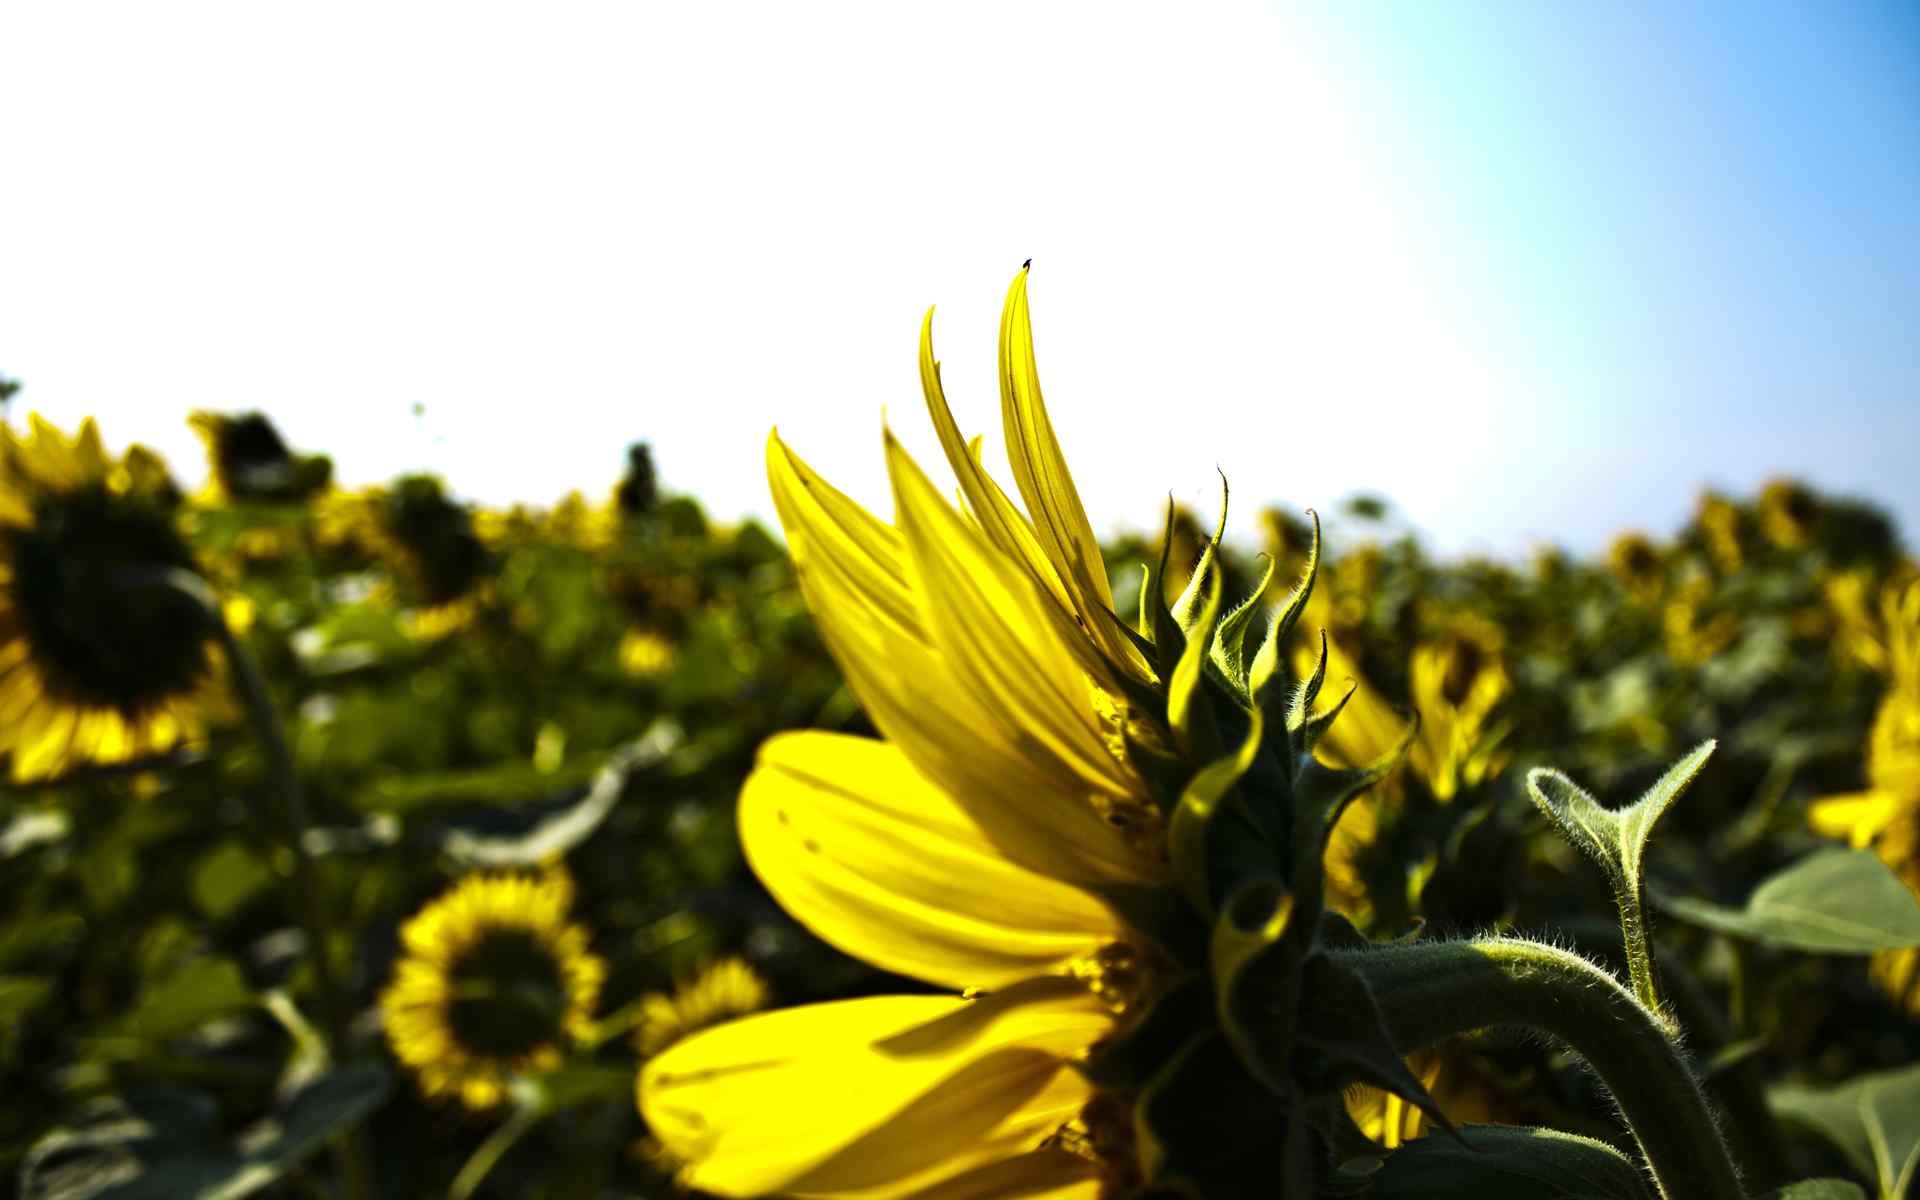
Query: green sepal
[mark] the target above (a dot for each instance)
(1167, 775)
(1161, 915)
(1189, 713)
(1207, 1128)
(1230, 641)
(1189, 831)
(1314, 727)
(1341, 1038)
(1268, 667)
(1190, 607)
(1132, 1057)
(1300, 705)
(1255, 953)
(1169, 642)
(1320, 794)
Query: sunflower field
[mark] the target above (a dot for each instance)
(367, 843)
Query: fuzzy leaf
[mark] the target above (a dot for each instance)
(1872, 1119)
(1616, 839)
(1832, 902)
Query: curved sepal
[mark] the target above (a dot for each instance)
(1229, 652)
(1320, 794)
(1255, 954)
(1187, 609)
(1267, 671)
(1189, 712)
(1189, 832)
(1341, 1038)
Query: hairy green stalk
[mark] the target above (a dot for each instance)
(1429, 991)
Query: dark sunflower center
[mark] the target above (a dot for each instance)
(508, 996)
(98, 635)
(448, 558)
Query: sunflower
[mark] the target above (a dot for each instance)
(248, 460)
(97, 663)
(494, 982)
(724, 989)
(1637, 563)
(960, 850)
(647, 653)
(1790, 514)
(1886, 816)
(428, 542)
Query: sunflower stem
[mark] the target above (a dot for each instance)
(349, 1149)
(491, 1151)
(1429, 991)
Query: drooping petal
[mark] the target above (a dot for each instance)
(865, 852)
(1040, 471)
(872, 609)
(1032, 712)
(859, 555)
(1009, 530)
(823, 1100)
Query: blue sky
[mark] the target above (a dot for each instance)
(1535, 271)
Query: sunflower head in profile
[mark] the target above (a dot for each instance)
(1040, 769)
(248, 460)
(725, 988)
(1790, 514)
(100, 661)
(426, 540)
(493, 982)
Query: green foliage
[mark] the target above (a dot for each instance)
(1831, 902)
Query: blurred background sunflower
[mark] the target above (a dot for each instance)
(101, 661)
(494, 982)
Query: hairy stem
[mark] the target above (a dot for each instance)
(1432, 991)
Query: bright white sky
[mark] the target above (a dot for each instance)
(562, 227)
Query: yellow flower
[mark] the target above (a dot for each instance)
(1789, 514)
(1886, 816)
(1457, 683)
(249, 461)
(982, 647)
(726, 988)
(1637, 564)
(94, 666)
(1719, 521)
(494, 982)
(1691, 638)
(645, 654)
(426, 540)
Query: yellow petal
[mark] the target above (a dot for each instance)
(1040, 469)
(1003, 524)
(811, 1101)
(1016, 694)
(865, 852)
(1857, 816)
(832, 536)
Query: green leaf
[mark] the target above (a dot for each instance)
(1872, 1119)
(227, 877)
(158, 1143)
(1499, 1162)
(1834, 901)
(1818, 1189)
(186, 999)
